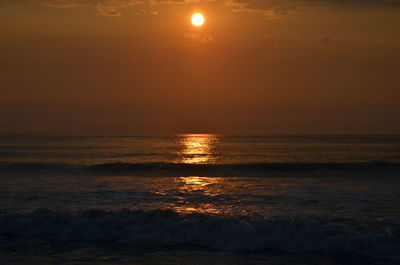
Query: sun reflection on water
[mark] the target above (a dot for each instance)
(198, 148)
(195, 190)
(204, 185)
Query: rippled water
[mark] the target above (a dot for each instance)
(203, 148)
(247, 199)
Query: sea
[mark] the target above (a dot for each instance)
(200, 199)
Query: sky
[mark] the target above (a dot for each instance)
(255, 66)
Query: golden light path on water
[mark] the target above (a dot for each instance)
(203, 186)
(220, 194)
(196, 193)
(198, 148)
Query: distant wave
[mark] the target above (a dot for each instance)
(164, 228)
(162, 168)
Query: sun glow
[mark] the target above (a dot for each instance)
(197, 20)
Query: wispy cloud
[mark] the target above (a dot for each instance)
(196, 38)
(61, 3)
(100, 7)
(281, 7)
(271, 8)
(325, 41)
(112, 7)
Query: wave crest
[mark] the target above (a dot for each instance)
(163, 168)
(161, 228)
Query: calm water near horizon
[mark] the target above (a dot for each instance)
(200, 148)
(200, 198)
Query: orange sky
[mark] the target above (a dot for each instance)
(134, 67)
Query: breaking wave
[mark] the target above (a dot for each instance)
(165, 228)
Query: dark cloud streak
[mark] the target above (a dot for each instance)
(268, 7)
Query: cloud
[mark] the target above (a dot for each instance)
(325, 41)
(281, 7)
(100, 7)
(60, 3)
(267, 7)
(208, 39)
(112, 7)
(196, 38)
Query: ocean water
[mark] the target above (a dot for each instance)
(199, 199)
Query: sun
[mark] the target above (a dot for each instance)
(197, 20)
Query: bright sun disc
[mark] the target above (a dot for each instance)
(197, 19)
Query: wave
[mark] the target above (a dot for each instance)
(163, 168)
(165, 228)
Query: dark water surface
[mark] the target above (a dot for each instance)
(199, 199)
